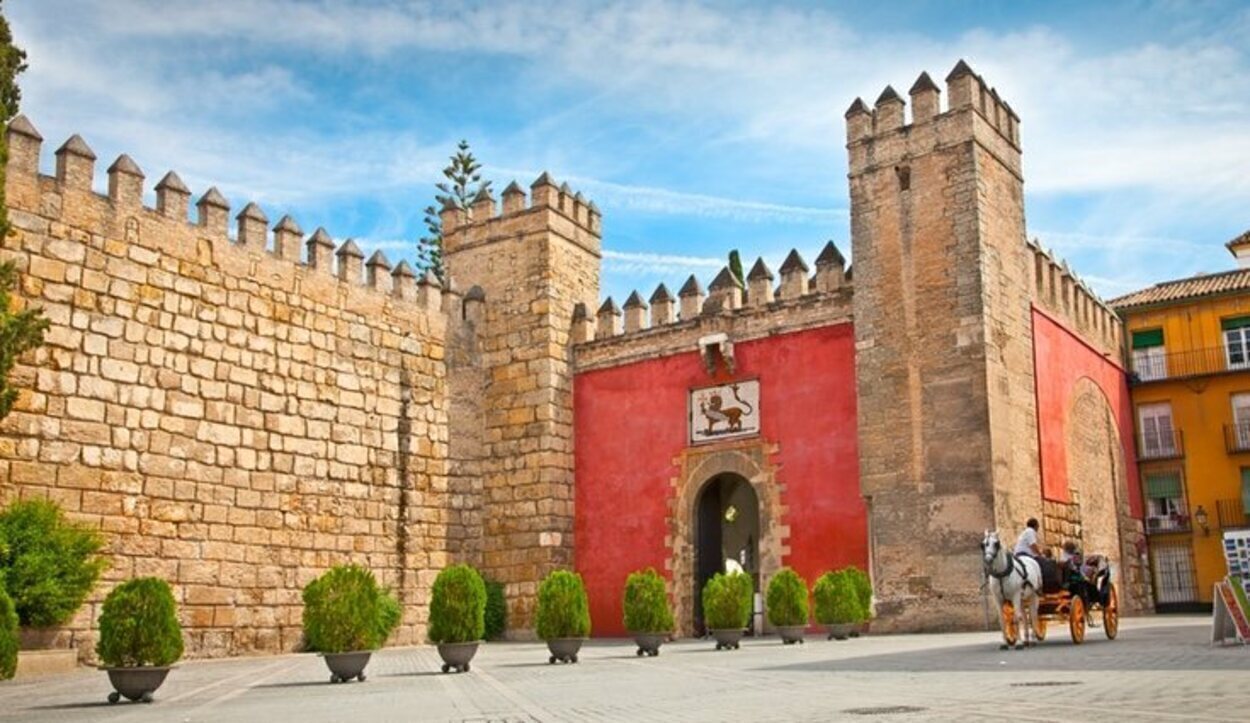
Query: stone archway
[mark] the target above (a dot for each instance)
(749, 460)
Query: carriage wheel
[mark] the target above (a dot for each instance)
(1010, 634)
(1076, 619)
(1039, 626)
(1111, 614)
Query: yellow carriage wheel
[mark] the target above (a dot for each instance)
(1111, 614)
(1010, 634)
(1076, 619)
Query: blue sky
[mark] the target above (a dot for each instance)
(696, 127)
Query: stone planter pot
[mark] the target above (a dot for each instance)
(791, 634)
(456, 656)
(649, 643)
(840, 631)
(564, 650)
(137, 684)
(728, 638)
(345, 666)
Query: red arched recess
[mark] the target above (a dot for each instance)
(1061, 360)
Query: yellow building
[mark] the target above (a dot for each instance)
(1189, 346)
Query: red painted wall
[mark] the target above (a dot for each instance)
(1061, 360)
(630, 423)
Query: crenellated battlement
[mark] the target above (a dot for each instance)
(1057, 290)
(122, 207)
(882, 134)
(549, 208)
(725, 304)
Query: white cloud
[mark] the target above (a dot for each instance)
(632, 263)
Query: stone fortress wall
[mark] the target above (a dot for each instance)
(233, 418)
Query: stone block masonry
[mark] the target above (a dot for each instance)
(233, 420)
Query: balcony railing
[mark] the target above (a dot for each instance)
(1170, 523)
(1232, 514)
(1237, 437)
(1161, 446)
(1182, 364)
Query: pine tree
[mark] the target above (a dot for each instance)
(463, 183)
(20, 331)
(735, 268)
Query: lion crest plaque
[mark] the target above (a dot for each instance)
(725, 411)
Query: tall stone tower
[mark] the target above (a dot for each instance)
(944, 363)
(533, 263)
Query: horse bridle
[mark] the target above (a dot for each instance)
(1013, 565)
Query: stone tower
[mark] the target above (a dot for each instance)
(944, 363)
(533, 262)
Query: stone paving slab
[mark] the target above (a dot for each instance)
(1160, 669)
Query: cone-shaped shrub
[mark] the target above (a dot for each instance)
(48, 564)
(787, 598)
(837, 601)
(8, 636)
(496, 610)
(563, 610)
(458, 606)
(723, 606)
(345, 611)
(863, 588)
(646, 603)
(139, 625)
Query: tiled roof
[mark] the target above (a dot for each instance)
(1189, 288)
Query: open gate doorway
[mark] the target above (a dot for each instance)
(727, 534)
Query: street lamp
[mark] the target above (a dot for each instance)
(1200, 516)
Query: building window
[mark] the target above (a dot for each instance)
(1245, 493)
(1241, 421)
(1158, 437)
(1237, 341)
(1165, 502)
(1149, 361)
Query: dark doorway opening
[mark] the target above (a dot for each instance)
(727, 532)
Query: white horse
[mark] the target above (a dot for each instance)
(1014, 579)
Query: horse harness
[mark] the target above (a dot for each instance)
(1013, 565)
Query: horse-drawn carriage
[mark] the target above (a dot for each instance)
(1083, 600)
(1071, 594)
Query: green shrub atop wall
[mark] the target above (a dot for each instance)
(787, 598)
(863, 588)
(496, 610)
(723, 606)
(48, 564)
(139, 625)
(646, 603)
(837, 600)
(345, 610)
(563, 609)
(458, 606)
(8, 636)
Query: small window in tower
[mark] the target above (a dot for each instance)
(904, 177)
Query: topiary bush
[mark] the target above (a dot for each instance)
(8, 636)
(48, 564)
(723, 606)
(458, 606)
(646, 603)
(563, 609)
(787, 598)
(496, 610)
(837, 601)
(863, 588)
(345, 610)
(745, 585)
(139, 625)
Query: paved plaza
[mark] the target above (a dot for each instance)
(1161, 668)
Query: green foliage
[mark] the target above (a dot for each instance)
(47, 563)
(463, 183)
(735, 268)
(563, 609)
(496, 610)
(458, 606)
(139, 625)
(787, 598)
(837, 600)
(646, 603)
(20, 329)
(724, 604)
(8, 636)
(863, 588)
(346, 610)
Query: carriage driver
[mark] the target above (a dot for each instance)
(1027, 543)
